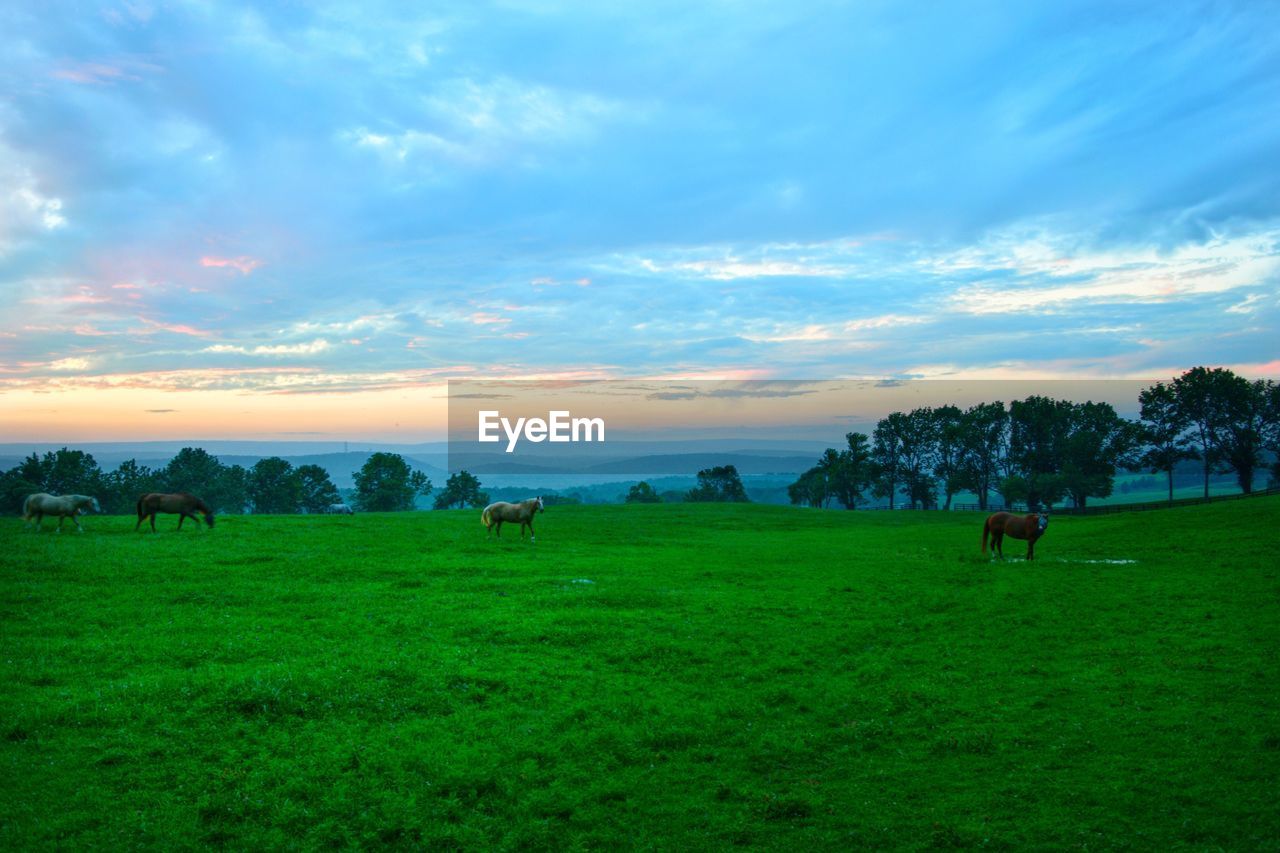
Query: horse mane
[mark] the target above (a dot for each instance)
(199, 503)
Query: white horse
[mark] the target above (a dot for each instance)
(496, 513)
(39, 505)
(340, 509)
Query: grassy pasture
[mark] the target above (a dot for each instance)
(672, 676)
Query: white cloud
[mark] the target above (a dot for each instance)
(1049, 274)
(730, 268)
(319, 345)
(475, 124)
(69, 364)
(25, 211)
(842, 332)
(1248, 306)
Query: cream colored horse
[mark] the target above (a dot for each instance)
(40, 504)
(496, 513)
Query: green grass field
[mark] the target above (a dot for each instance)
(672, 676)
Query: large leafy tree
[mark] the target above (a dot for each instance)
(948, 429)
(1038, 429)
(719, 484)
(810, 488)
(274, 487)
(643, 493)
(852, 471)
(1164, 431)
(983, 440)
(72, 472)
(128, 482)
(905, 445)
(920, 445)
(1243, 433)
(18, 482)
(818, 486)
(461, 490)
(1201, 393)
(230, 492)
(193, 470)
(889, 453)
(1230, 418)
(1271, 435)
(386, 483)
(316, 492)
(198, 472)
(60, 472)
(1097, 442)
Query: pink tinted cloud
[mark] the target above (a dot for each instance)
(123, 69)
(177, 328)
(547, 281)
(481, 318)
(82, 295)
(242, 264)
(92, 73)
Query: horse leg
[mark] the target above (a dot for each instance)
(1031, 549)
(531, 536)
(997, 543)
(182, 516)
(153, 522)
(76, 519)
(498, 525)
(61, 519)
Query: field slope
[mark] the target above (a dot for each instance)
(644, 676)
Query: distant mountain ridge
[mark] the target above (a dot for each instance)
(628, 459)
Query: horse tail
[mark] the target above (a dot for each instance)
(139, 509)
(26, 508)
(986, 526)
(484, 517)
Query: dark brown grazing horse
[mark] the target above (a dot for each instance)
(496, 513)
(1029, 527)
(181, 503)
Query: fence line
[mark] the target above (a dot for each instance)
(1105, 509)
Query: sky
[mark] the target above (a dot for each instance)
(302, 219)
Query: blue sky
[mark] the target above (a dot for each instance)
(345, 198)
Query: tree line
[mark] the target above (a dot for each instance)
(386, 482)
(1040, 451)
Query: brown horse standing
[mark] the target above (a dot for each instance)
(1029, 527)
(181, 503)
(496, 513)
